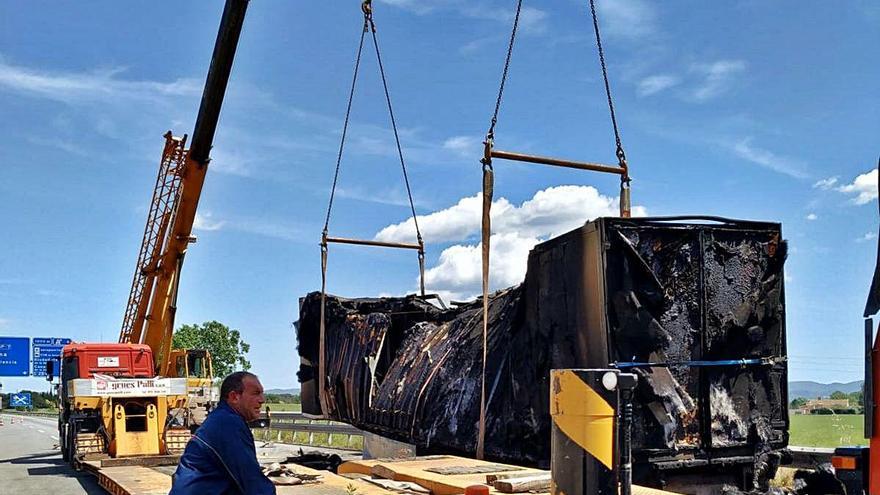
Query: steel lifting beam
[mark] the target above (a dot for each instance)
(363, 242)
(556, 162)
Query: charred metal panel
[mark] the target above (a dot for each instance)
(694, 296)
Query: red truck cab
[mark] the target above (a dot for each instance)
(118, 360)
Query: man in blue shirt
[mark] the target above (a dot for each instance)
(221, 457)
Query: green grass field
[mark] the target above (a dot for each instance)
(827, 431)
(284, 407)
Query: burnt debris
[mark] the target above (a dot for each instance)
(696, 309)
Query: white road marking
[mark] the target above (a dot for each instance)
(41, 431)
(54, 437)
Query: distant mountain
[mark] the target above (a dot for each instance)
(282, 391)
(811, 390)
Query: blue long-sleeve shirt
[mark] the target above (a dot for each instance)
(221, 458)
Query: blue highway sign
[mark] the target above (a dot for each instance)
(22, 399)
(14, 356)
(46, 350)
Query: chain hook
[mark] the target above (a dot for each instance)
(367, 8)
(487, 151)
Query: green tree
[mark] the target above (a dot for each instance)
(838, 395)
(798, 403)
(228, 350)
(856, 399)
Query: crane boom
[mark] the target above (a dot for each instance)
(160, 216)
(149, 317)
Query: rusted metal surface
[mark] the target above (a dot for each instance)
(707, 299)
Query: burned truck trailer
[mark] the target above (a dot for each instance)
(694, 306)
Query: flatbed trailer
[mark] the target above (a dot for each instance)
(437, 475)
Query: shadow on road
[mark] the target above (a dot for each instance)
(56, 468)
(44, 457)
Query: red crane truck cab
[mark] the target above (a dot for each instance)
(117, 360)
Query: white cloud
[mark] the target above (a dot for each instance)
(655, 84)
(204, 222)
(515, 230)
(869, 236)
(717, 78)
(477, 45)
(51, 293)
(464, 146)
(812, 216)
(391, 196)
(457, 222)
(65, 145)
(628, 19)
(459, 270)
(269, 228)
(420, 7)
(864, 187)
(226, 161)
(551, 211)
(532, 20)
(825, 184)
(768, 159)
(95, 86)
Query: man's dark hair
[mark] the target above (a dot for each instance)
(234, 383)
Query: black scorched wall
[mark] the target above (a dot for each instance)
(612, 292)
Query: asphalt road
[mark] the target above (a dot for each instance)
(30, 462)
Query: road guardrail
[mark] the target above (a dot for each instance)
(41, 414)
(297, 422)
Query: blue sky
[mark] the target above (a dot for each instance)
(747, 109)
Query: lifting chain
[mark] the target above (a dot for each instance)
(488, 191)
(370, 26)
(327, 399)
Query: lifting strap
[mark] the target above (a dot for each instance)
(326, 400)
(490, 152)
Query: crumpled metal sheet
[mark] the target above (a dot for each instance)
(612, 291)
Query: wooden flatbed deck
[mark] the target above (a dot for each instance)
(439, 475)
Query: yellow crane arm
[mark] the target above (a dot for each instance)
(149, 317)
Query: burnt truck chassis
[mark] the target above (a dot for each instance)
(694, 306)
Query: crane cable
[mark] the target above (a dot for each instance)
(489, 186)
(369, 26)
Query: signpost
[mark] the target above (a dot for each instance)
(46, 350)
(22, 399)
(14, 356)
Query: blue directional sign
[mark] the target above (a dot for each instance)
(14, 356)
(22, 399)
(44, 351)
